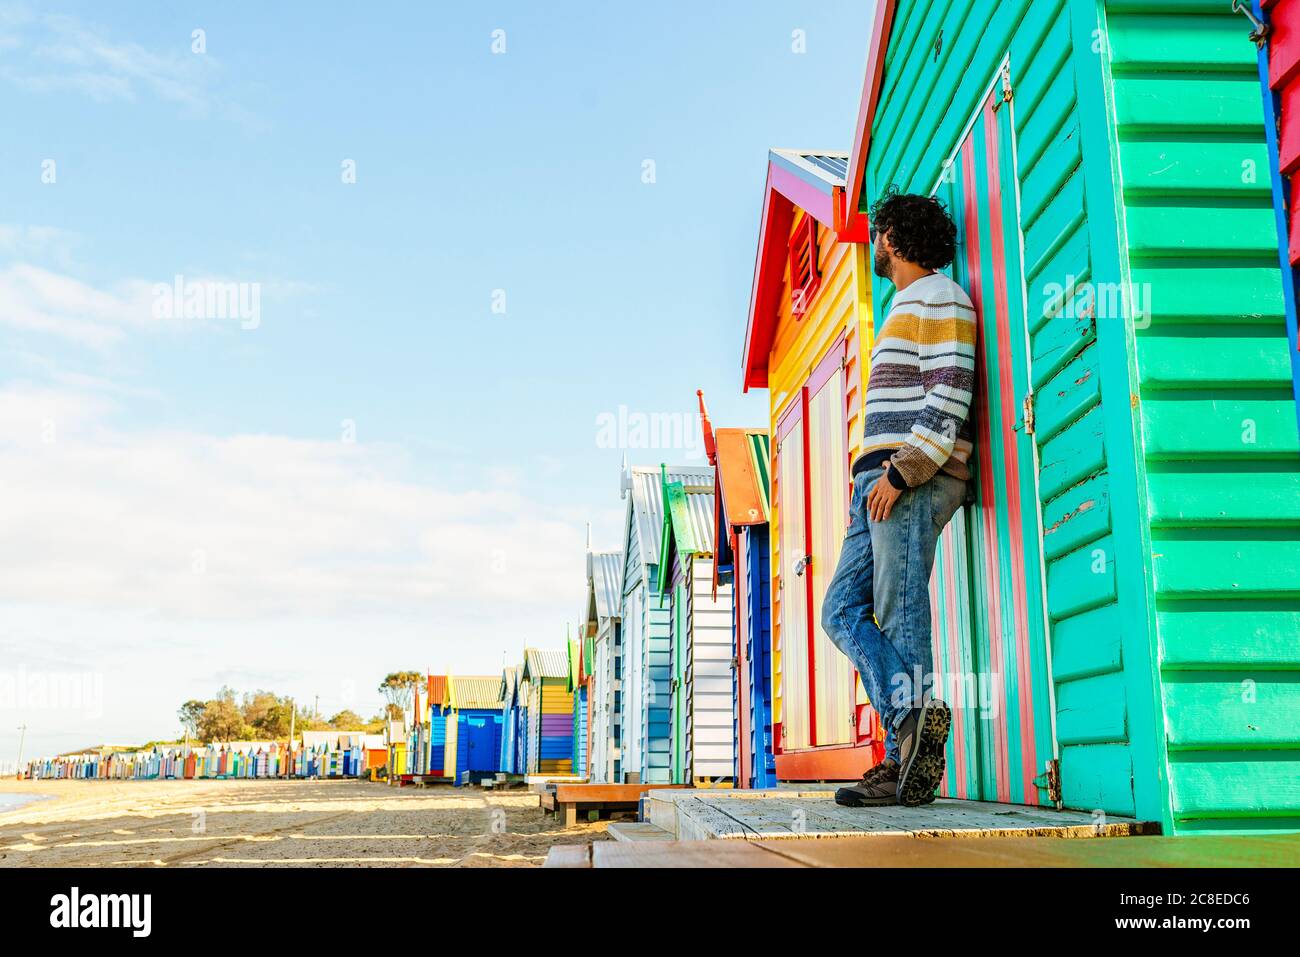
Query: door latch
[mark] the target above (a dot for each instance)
(1028, 410)
(801, 564)
(1050, 781)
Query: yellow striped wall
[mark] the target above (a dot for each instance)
(842, 304)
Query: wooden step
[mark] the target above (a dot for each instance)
(632, 831)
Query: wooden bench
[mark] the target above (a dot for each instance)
(566, 800)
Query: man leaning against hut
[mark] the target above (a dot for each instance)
(907, 482)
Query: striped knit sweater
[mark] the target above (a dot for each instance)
(920, 384)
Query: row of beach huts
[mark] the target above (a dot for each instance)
(317, 754)
(1116, 607)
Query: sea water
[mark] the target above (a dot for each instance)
(9, 801)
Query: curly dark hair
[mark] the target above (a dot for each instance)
(920, 229)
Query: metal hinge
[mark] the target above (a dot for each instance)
(1029, 414)
(1050, 781)
(1006, 88)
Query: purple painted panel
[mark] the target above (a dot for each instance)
(557, 724)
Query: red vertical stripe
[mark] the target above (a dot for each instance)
(988, 503)
(954, 652)
(807, 570)
(1011, 447)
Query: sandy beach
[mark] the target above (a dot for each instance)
(250, 823)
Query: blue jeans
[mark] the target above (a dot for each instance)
(877, 606)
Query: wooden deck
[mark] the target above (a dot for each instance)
(785, 814)
(903, 850)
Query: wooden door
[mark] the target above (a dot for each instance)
(828, 494)
(791, 665)
(990, 632)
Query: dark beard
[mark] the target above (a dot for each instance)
(882, 264)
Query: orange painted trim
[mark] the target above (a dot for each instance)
(841, 763)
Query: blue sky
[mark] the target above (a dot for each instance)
(385, 472)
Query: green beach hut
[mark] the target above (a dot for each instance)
(1117, 607)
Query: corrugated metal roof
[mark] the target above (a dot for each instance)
(475, 691)
(605, 581)
(437, 689)
(744, 464)
(545, 664)
(829, 166)
(647, 501)
(509, 679)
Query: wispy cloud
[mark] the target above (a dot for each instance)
(55, 53)
(39, 243)
(36, 299)
(248, 526)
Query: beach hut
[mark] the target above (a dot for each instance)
(427, 736)
(550, 712)
(742, 559)
(473, 709)
(511, 712)
(1130, 553)
(435, 724)
(807, 340)
(601, 631)
(395, 734)
(578, 686)
(523, 749)
(646, 664)
(699, 648)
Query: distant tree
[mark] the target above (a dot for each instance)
(190, 713)
(398, 687)
(269, 715)
(347, 720)
(222, 721)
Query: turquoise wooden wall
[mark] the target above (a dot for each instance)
(919, 121)
(1221, 458)
(1168, 465)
